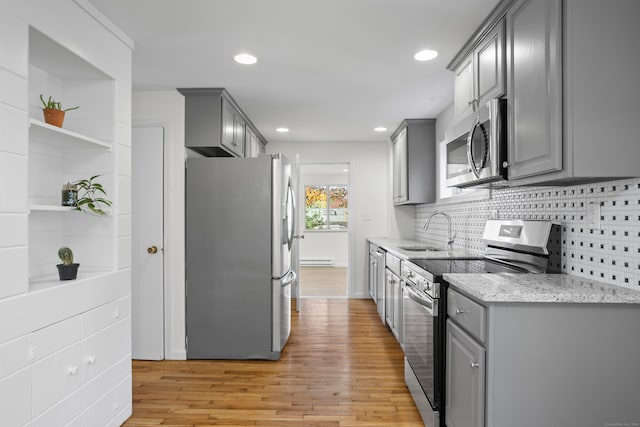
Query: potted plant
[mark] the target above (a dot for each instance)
(68, 270)
(88, 196)
(53, 112)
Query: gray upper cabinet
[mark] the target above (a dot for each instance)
(214, 124)
(489, 65)
(571, 88)
(253, 145)
(534, 77)
(480, 75)
(413, 152)
(463, 88)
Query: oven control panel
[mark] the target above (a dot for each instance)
(420, 279)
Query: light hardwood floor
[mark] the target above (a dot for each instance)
(340, 368)
(323, 281)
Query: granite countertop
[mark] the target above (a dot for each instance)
(394, 246)
(542, 288)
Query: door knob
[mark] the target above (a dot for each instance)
(152, 249)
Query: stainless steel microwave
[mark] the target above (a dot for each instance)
(476, 149)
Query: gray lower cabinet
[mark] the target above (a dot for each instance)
(393, 301)
(214, 124)
(465, 378)
(413, 152)
(373, 271)
(531, 364)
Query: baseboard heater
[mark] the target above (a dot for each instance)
(318, 262)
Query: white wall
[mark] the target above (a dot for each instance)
(166, 108)
(322, 244)
(369, 193)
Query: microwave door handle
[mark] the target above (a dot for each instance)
(472, 163)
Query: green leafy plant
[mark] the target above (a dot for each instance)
(51, 104)
(66, 255)
(90, 196)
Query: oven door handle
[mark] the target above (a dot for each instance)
(430, 307)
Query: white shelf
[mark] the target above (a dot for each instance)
(64, 138)
(53, 280)
(51, 208)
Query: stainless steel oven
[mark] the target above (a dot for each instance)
(423, 338)
(476, 149)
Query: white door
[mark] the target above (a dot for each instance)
(147, 272)
(295, 249)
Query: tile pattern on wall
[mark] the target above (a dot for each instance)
(610, 253)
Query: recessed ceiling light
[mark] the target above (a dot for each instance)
(245, 59)
(380, 129)
(425, 55)
(282, 130)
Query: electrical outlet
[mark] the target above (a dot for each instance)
(366, 216)
(593, 215)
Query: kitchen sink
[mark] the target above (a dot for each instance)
(421, 248)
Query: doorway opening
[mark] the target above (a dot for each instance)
(324, 251)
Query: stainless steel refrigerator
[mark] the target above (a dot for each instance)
(240, 215)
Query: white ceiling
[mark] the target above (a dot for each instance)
(329, 70)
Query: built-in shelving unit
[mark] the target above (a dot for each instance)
(81, 148)
(67, 342)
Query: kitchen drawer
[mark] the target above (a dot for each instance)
(94, 390)
(470, 315)
(52, 338)
(105, 315)
(103, 411)
(15, 399)
(55, 377)
(102, 350)
(62, 414)
(393, 263)
(15, 355)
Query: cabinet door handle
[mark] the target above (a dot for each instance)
(91, 359)
(460, 311)
(474, 365)
(73, 370)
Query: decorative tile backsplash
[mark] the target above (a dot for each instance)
(609, 254)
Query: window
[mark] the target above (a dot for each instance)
(326, 207)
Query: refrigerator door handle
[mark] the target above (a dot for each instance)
(289, 278)
(291, 199)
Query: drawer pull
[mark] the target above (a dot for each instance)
(73, 370)
(115, 406)
(116, 313)
(474, 365)
(91, 359)
(460, 311)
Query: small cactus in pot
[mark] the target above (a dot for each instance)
(68, 270)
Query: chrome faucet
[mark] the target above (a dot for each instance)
(450, 237)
